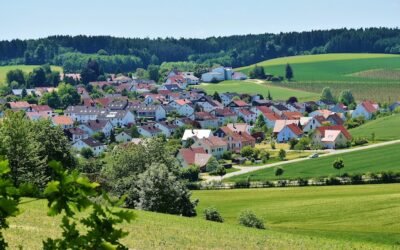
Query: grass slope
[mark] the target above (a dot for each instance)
(160, 231)
(351, 214)
(365, 74)
(378, 159)
(257, 87)
(385, 129)
(25, 68)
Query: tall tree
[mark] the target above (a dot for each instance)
(326, 94)
(346, 97)
(16, 75)
(153, 71)
(289, 72)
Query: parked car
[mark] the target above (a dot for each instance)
(315, 155)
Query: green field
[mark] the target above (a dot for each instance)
(366, 213)
(257, 87)
(25, 68)
(385, 129)
(160, 231)
(377, 159)
(369, 76)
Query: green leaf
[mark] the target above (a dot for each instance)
(52, 187)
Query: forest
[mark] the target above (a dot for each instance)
(126, 54)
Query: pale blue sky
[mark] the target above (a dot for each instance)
(185, 18)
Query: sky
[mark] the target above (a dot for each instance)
(188, 18)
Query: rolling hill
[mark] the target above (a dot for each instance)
(296, 218)
(369, 76)
(385, 129)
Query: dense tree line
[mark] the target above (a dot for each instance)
(127, 54)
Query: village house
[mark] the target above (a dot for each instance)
(236, 105)
(288, 132)
(153, 112)
(167, 128)
(331, 137)
(63, 121)
(227, 97)
(75, 134)
(212, 145)
(123, 136)
(224, 115)
(96, 146)
(366, 109)
(84, 113)
(207, 104)
(278, 108)
(247, 115)
(97, 126)
(312, 123)
(22, 105)
(193, 157)
(118, 118)
(196, 133)
(183, 107)
(235, 138)
(206, 120)
(149, 130)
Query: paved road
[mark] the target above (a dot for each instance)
(244, 170)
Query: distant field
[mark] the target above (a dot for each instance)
(160, 231)
(257, 87)
(364, 74)
(25, 68)
(378, 159)
(365, 214)
(385, 129)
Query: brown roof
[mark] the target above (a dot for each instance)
(19, 105)
(272, 116)
(189, 154)
(292, 115)
(240, 103)
(213, 141)
(204, 116)
(264, 110)
(39, 108)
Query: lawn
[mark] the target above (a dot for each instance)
(369, 76)
(160, 231)
(257, 87)
(25, 68)
(385, 129)
(352, 214)
(378, 159)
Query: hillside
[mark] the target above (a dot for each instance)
(373, 76)
(360, 162)
(25, 68)
(385, 129)
(309, 228)
(347, 213)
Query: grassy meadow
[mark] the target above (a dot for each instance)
(366, 214)
(385, 129)
(25, 68)
(369, 76)
(345, 217)
(385, 158)
(257, 87)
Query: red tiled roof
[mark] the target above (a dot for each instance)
(264, 109)
(39, 108)
(295, 129)
(292, 115)
(188, 154)
(272, 117)
(182, 101)
(204, 116)
(246, 112)
(369, 106)
(213, 141)
(335, 127)
(19, 105)
(240, 103)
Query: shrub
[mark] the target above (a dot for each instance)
(212, 214)
(282, 154)
(191, 173)
(279, 171)
(302, 182)
(359, 141)
(273, 145)
(332, 181)
(247, 151)
(227, 155)
(219, 171)
(249, 219)
(356, 179)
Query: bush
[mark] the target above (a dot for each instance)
(332, 181)
(302, 182)
(282, 154)
(356, 179)
(249, 219)
(191, 173)
(359, 141)
(219, 171)
(247, 151)
(212, 214)
(273, 145)
(227, 155)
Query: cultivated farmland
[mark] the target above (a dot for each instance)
(369, 76)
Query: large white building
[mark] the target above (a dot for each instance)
(217, 74)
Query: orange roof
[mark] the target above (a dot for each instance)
(264, 109)
(292, 115)
(295, 129)
(19, 105)
(240, 103)
(182, 101)
(62, 120)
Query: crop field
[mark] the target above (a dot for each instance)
(369, 76)
(25, 68)
(160, 231)
(374, 160)
(257, 87)
(385, 129)
(365, 214)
